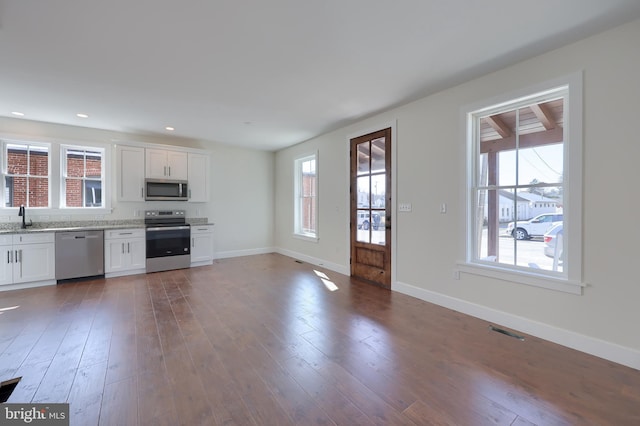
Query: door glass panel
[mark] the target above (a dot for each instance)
(378, 191)
(377, 156)
(364, 198)
(363, 158)
(363, 221)
(378, 231)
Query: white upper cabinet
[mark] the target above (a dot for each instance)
(130, 163)
(199, 186)
(166, 164)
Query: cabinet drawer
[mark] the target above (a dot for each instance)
(201, 229)
(6, 240)
(33, 238)
(124, 233)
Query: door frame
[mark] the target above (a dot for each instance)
(394, 188)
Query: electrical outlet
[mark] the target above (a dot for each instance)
(456, 274)
(443, 208)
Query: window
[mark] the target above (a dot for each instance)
(521, 154)
(83, 177)
(26, 174)
(306, 200)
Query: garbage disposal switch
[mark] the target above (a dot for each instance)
(79, 254)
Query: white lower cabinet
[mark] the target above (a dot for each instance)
(124, 252)
(27, 258)
(201, 245)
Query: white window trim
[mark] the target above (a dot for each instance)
(572, 182)
(103, 178)
(54, 211)
(297, 233)
(27, 142)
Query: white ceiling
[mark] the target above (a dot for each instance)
(264, 74)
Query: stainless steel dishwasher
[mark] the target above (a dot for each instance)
(79, 254)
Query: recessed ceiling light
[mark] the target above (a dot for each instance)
(18, 113)
(169, 128)
(81, 115)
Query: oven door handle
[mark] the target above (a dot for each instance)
(168, 228)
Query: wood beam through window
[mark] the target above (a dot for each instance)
(529, 140)
(498, 125)
(544, 115)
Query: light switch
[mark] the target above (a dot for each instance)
(404, 207)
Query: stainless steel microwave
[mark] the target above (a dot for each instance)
(166, 190)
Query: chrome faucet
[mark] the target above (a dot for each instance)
(21, 212)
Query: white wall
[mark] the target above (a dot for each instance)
(242, 192)
(430, 170)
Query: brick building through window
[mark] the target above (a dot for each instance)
(27, 177)
(83, 178)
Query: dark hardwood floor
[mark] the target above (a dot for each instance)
(261, 340)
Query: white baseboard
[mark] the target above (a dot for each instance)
(22, 286)
(593, 346)
(125, 273)
(341, 269)
(239, 253)
(201, 263)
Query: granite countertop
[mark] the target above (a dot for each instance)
(15, 228)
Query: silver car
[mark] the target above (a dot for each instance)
(551, 239)
(536, 227)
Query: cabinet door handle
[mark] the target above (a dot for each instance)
(169, 171)
(128, 247)
(20, 263)
(142, 192)
(9, 251)
(122, 244)
(193, 242)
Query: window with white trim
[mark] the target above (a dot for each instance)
(26, 173)
(524, 187)
(306, 199)
(82, 177)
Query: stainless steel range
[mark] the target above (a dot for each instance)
(168, 239)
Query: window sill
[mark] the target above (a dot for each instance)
(541, 281)
(306, 237)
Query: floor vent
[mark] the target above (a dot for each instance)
(7, 387)
(506, 333)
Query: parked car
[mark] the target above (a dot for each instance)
(551, 239)
(363, 221)
(535, 227)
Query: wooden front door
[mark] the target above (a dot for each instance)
(371, 207)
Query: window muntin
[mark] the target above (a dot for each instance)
(517, 151)
(306, 200)
(82, 177)
(26, 174)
